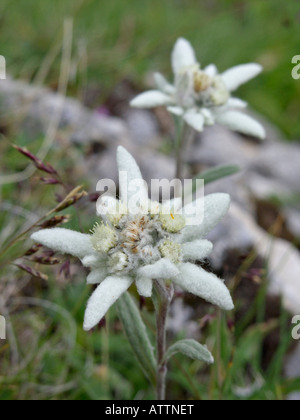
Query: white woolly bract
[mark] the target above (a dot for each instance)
(65, 241)
(238, 75)
(106, 294)
(163, 85)
(216, 207)
(205, 285)
(97, 276)
(130, 173)
(94, 261)
(196, 250)
(195, 119)
(162, 269)
(241, 122)
(211, 70)
(144, 286)
(183, 55)
(151, 99)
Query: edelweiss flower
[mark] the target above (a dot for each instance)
(203, 96)
(138, 246)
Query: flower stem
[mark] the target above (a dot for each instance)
(163, 298)
(182, 146)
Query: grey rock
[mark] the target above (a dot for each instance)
(100, 129)
(219, 146)
(266, 169)
(231, 235)
(279, 162)
(155, 165)
(142, 125)
(235, 187)
(264, 188)
(33, 109)
(102, 166)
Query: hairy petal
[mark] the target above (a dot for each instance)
(65, 241)
(242, 123)
(238, 75)
(205, 285)
(144, 286)
(196, 250)
(176, 110)
(236, 103)
(163, 84)
(93, 261)
(97, 276)
(130, 173)
(183, 55)
(208, 116)
(106, 294)
(195, 120)
(162, 269)
(151, 99)
(215, 207)
(211, 70)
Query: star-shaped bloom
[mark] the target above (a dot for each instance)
(203, 96)
(139, 241)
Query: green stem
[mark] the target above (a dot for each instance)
(163, 298)
(185, 136)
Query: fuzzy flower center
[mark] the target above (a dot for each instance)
(197, 88)
(172, 223)
(118, 261)
(132, 241)
(103, 238)
(172, 251)
(133, 233)
(202, 81)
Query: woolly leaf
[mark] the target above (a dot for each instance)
(191, 349)
(137, 335)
